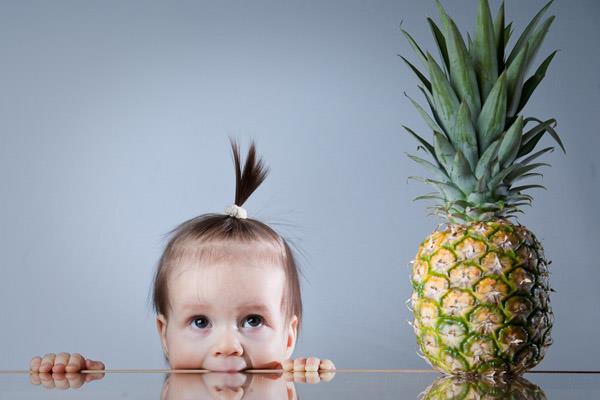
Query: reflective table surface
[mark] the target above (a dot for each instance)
(342, 384)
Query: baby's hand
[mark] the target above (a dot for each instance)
(308, 370)
(62, 362)
(69, 380)
(310, 364)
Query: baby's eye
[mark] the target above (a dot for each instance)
(200, 322)
(254, 321)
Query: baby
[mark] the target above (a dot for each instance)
(226, 293)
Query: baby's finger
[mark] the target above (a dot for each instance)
(299, 364)
(60, 362)
(287, 365)
(76, 379)
(288, 376)
(93, 377)
(299, 376)
(60, 381)
(34, 378)
(326, 376)
(47, 380)
(303, 377)
(34, 364)
(326, 365)
(312, 377)
(76, 363)
(312, 364)
(47, 362)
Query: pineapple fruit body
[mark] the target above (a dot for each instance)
(481, 299)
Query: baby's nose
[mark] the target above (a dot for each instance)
(228, 344)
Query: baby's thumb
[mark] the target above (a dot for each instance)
(90, 364)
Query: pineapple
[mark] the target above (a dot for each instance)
(480, 281)
(457, 388)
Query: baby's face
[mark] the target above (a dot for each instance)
(227, 386)
(227, 317)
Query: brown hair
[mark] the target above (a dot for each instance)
(211, 237)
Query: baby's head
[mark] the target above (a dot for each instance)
(226, 290)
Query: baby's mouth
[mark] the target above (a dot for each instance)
(228, 365)
(228, 369)
(229, 389)
(227, 383)
(228, 393)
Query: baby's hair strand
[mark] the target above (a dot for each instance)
(253, 174)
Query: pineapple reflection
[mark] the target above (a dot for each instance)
(235, 386)
(455, 388)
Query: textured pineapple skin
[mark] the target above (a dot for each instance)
(456, 388)
(481, 299)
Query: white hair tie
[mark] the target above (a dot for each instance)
(236, 211)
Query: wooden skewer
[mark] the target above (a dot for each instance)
(271, 371)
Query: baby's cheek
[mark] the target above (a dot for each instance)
(265, 346)
(261, 335)
(185, 354)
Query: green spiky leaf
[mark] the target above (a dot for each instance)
(416, 48)
(435, 171)
(499, 37)
(518, 189)
(487, 159)
(507, 34)
(432, 124)
(533, 136)
(462, 74)
(527, 32)
(511, 143)
(421, 77)
(424, 142)
(514, 80)
(444, 98)
(440, 41)
(431, 196)
(525, 176)
(536, 155)
(536, 40)
(484, 50)
(518, 170)
(464, 136)
(490, 122)
(444, 150)
(532, 83)
(461, 173)
(435, 114)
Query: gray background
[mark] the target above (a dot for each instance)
(114, 118)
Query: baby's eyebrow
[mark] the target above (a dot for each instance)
(194, 306)
(262, 308)
(257, 307)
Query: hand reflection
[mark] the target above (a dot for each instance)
(60, 380)
(451, 387)
(235, 386)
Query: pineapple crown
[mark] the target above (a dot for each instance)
(480, 145)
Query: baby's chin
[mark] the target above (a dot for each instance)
(230, 380)
(231, 366)
(226, 370)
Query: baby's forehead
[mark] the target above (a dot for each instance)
(226, 271)
(236, 271)
(231, 284)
